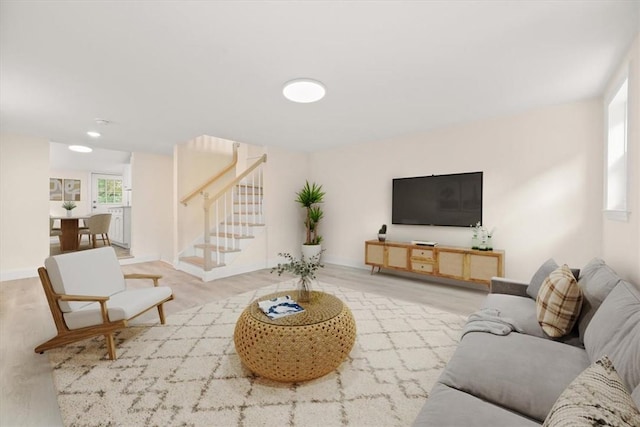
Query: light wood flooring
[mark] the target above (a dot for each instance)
(27, 395)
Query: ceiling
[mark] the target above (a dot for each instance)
(164, 72)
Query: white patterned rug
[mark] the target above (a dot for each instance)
(187, 372)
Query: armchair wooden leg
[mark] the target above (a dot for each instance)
(161, 313)
(108, 241)
(111, 346)
(93, 239)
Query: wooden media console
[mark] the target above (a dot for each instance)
(456, 263)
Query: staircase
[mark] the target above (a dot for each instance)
(233, 217)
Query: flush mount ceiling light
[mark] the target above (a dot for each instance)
(80, 148)
(304, 90)
(93, 134)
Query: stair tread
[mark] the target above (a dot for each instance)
(199, 261)
(233, 236)
(222, 249)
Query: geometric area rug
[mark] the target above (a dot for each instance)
(187, 372)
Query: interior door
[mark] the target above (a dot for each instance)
(106, 192)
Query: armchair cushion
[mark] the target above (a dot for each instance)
(121, 306)
(93, 272)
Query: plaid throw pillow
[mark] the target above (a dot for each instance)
(597, 397)
(559, 302)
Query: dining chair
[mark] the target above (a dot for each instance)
(53, 231)
(97, 224)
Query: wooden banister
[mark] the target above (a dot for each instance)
(214, 178)
(209, 201)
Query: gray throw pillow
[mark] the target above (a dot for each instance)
(543, 272)
(596, 281)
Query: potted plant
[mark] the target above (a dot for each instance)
(304, 268)
(69, 206)
(382, 233)
(309, 197)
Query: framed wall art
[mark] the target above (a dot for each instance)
(55, 189)
(72, 190)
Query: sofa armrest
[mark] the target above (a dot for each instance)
(500, 285)
(153, 277)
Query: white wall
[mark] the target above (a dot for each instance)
(285, 174)
(621, 240)
(196, 161)
(542, 186)
(24, 205)
(152, 213)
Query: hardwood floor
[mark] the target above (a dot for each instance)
(27, 396)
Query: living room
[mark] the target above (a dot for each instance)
(543, 165)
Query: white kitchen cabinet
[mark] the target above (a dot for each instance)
(120, 227)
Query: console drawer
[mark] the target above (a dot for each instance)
(421, 267)
(422, 253)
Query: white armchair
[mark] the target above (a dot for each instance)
(88, 296)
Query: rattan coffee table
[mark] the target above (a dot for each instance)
(299, 347)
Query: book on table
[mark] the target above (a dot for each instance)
(276, 308)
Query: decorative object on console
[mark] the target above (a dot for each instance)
(69, 206)
(382, 233)
(309, 197)
(482, 239)
(304, 268)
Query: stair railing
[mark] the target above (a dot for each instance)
(225, 197)
(214, 178)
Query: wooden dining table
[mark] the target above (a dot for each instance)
(69, 226)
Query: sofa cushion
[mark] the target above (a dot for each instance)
(596, 281)
(123, 305)
(79, 272)
(559, 302)
(615, 331)
(539, 276)
(596, 397)
(448, 407)
(520, 372)
(522, 310)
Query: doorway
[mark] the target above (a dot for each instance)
(106, 192)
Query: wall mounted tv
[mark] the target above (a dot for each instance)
(454, 200)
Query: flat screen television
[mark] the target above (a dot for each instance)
(453, 200)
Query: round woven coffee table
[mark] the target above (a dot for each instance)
(298, 347)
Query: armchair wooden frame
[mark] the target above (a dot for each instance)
(107, 328)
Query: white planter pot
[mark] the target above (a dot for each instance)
(309, 251)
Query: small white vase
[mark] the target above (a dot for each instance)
(69, 213)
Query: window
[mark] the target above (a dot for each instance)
(616, 156)
(109, 190)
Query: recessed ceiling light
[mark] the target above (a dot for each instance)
(304, 90)
(80, 148)
(103, 122)
(93, 134)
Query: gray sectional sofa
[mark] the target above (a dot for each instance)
(515, 379)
